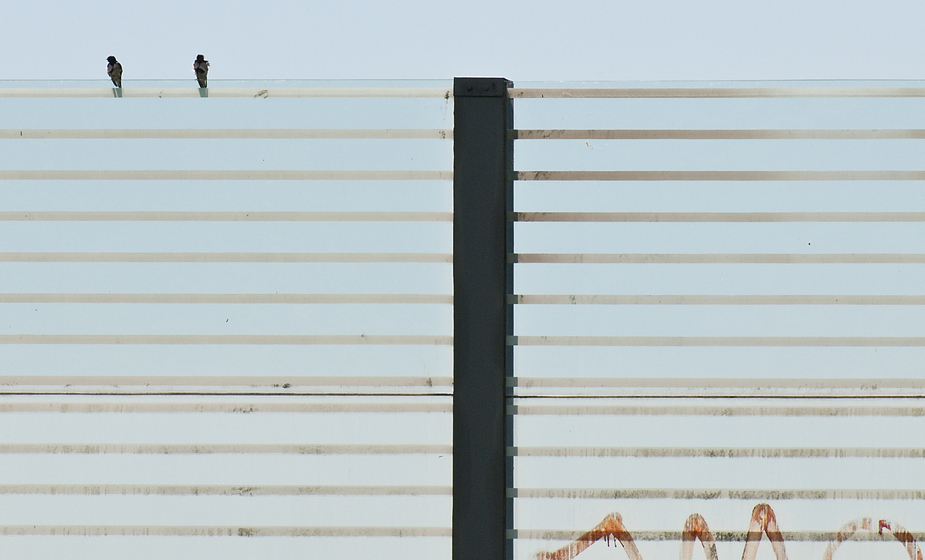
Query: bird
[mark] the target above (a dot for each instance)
(201, 68)
(114, 69)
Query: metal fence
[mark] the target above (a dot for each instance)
(643, 313)
(718, 320)
(226, 318)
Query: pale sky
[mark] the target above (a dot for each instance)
(517, 39)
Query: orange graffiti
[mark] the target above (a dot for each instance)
(763, 522)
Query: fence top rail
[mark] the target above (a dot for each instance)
(100, 80)
(718, 89)
(444, 88)
(245, 92)
(708, 91)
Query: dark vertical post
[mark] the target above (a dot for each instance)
(482, 196)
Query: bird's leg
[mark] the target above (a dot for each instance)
(611, 526)
(763, 523)
(696, 528)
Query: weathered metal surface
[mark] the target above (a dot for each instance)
(226, 216)
(716, 134)
(228, 257)
(722, 175)
(219, 92)
(707, 92)
(743, 217)
(202, 133)
(221, 175)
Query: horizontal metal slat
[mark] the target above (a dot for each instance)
(228, 298)
(94, 216)
(220, 175)
(715, 494)
(720, 341)
(748, 217)
(698, 299)
(224, 381)
(718, 536)
(230, 257)
(713, 258)
(717, 175)
(261, 93)
(99, 385)
(222, 490)
(722, 452)
(718, 382)
(239, 406)
(700, 93)
(715, 410)
(219, 531)
(717, 134)
(280, 339)
(668, 387)
(221, 133)
(224, 449)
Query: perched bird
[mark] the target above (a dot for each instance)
(114, 69)
(201, 68)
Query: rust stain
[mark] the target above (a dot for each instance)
(763, 522)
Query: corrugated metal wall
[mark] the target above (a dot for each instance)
(225, 318)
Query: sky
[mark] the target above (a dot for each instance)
(527, 40)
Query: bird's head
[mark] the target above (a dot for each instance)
(200, 58)
(111, 59)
